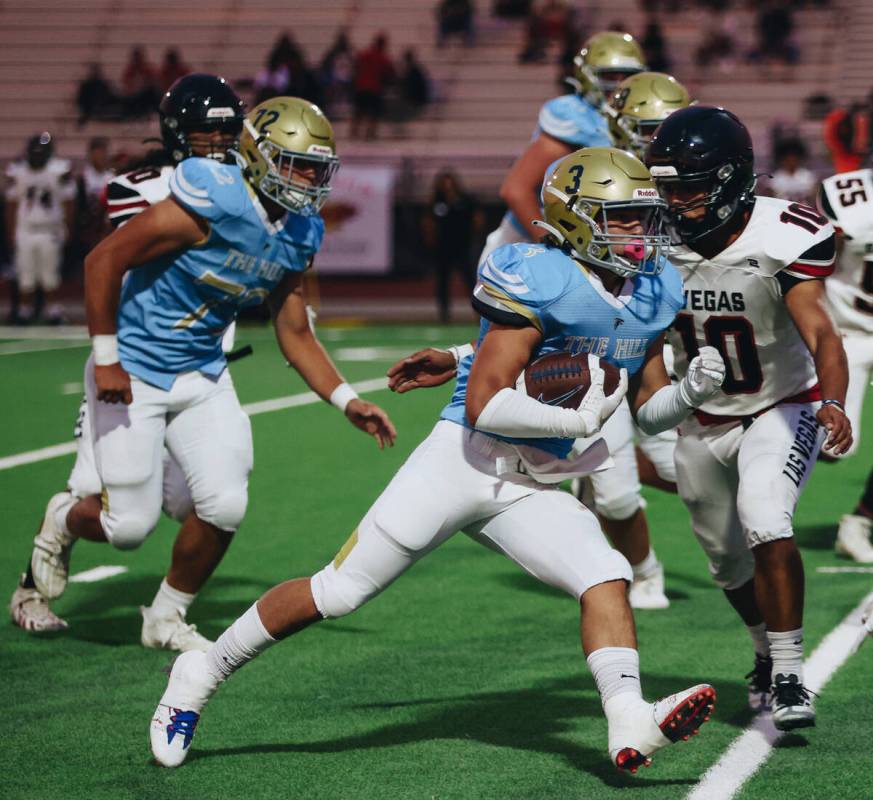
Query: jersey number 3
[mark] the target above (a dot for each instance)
(727, 334)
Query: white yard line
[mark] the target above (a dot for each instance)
(17, 348)
(262, 407)
(862, 570)
(97, 574)
(752, 748)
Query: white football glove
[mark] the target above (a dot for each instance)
(597, 407)
(704, 378)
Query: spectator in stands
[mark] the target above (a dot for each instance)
(655, 47)
(775, 26)
(451, 226)
(413, 84)
(374, 71)
(275, 77)
(335, 73)
(547, 23)
(847, 134)
(301, 80)
(718, 45)
(455, 17)
(511, 9)
(791, 180)
(139, 85)
(172, 69)
(96, 98)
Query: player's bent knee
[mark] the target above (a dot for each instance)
(731, 572)
(338, 593)
(128, 531)
(620, 506)
(225, 510)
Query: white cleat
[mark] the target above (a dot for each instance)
(647, 727)
(853, 538)
(170, 633)
(647, 592)
(792, 705)
(176, 717)
(30, 610)
(50, 562)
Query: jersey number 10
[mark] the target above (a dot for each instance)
(719, 331)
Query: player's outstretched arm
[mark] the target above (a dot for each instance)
(807, 304)
(306, 354)
(427, 368)
(164, 228)
(658, 405)
(521, 187)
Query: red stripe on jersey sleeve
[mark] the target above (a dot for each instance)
(811, 270)
(115, 207)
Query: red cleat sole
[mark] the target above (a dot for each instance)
(685, 720)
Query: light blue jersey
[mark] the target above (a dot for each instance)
(568, 304)
(175, 308)
(571, 119)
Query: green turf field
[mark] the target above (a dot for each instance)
(464, 680)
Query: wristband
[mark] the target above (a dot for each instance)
(105, 349)
(461, 351)
(836, 403)
(342, 396)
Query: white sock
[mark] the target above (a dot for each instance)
(169, 600)
(786, 649)
(616, 670)
(759, 639)
(647, 566)
(238, 645)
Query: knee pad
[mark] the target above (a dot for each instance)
(127, 531)
(764, 517)
(732, 570)
(226, 510)
(339, 593)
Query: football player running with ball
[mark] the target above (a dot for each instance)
(228, 237)
(490, 464)
(752, 269)
(200, 115)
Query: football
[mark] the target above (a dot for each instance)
(562, 378)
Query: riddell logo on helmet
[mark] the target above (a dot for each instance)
(641, 194)
(663, 172)
(319, 150)
(222, 112)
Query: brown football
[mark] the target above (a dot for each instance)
(562, 379)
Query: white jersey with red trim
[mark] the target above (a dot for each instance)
(848, 200)
(734, 302)
(135, 191)
(40, 194)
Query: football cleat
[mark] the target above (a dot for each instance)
(853, 538)
(30, 611)
(50, 562)
(170, 633)
(760, 682)
(175, 719)
(647, 592)
(651, 726)
(792, 707)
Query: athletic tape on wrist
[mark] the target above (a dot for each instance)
(105, 349)
(342, 396)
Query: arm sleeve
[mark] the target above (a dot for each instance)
(664, 410)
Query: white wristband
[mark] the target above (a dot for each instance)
(460, 351)
(342, 396)
(105, 349)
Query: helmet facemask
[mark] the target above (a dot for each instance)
(301, 196)
(641, 252)
(637, 132)
(712, 190)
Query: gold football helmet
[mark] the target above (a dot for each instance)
(283, 138)
(604, 60)
(639, 104)
(584, 189)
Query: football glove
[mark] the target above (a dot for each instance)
(597, 407)
(704, 378)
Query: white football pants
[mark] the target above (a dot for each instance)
(451, 483)
(38, 260)
(204, 429)
(741, 486)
